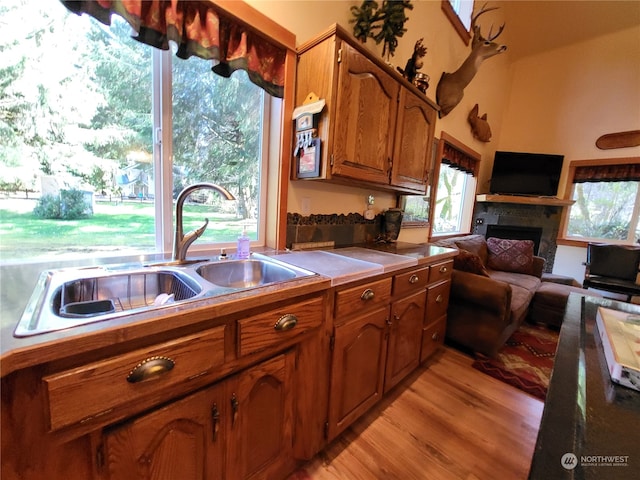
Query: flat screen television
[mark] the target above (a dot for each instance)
(517, 173)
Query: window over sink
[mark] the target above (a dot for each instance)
(112, 130)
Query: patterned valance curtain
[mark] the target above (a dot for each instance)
(459, 160)
(629, 172)
(198, 29)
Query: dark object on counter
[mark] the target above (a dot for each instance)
(392, 224)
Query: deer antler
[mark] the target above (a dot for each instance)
(476, 28)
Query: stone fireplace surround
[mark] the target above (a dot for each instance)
(525, 218)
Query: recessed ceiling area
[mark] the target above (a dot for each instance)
(539, 26)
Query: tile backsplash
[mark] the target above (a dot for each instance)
(343, 230)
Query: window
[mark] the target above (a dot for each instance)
(607, 201)
(459, 13)
(455, 192)
(98, 134)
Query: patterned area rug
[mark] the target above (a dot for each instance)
(525, 361)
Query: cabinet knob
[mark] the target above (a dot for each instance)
(443, 269)
(435, 337)
(286, 322)
(439, 298)
(149, 368)
(413, 279)
(368, 294)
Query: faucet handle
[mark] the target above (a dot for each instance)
(199, 231)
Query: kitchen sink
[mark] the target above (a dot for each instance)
(71, 297)
(245, 273)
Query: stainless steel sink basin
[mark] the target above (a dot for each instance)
(64, 299)
(72, 297)
(245, 273)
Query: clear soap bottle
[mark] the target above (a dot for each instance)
(244, 243)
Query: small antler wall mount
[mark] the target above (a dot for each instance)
(450, 89)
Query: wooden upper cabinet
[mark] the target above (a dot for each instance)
(364, 118)
(413, 147)
(376, 128)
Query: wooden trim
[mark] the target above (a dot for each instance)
(457, 24)
(246, 14)
(286, 146)
(444, 136)
(552, 201)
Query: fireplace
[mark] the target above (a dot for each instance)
(513, 232)
(539, 223)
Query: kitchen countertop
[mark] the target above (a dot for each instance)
(333, 267)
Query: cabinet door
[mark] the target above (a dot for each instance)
(357, 372)
(413, 142)
(405, 337)
(182, 440)
(261, 438)
(365, 118)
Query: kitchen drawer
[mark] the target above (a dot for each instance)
(411, 281)
(440, 271)
(85, 393)
(433, 338)
(437, 300)
(365, 296)
(279, 325)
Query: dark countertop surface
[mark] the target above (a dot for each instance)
(590, 427)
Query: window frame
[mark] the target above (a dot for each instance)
(458, 26)
(569, 186)
(277, 140)
(469, 202)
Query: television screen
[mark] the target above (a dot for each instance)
(536, 174)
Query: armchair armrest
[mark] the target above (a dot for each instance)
(483, 292)
(538, 266)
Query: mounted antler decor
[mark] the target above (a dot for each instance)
(451, 87)
(479, 125)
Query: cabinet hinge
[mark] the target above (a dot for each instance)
(326, 430)
(339, 55)
(332, 342)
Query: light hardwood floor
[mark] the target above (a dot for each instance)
(446, 421)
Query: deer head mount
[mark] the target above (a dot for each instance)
(451, 86)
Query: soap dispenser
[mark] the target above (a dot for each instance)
(244, 243)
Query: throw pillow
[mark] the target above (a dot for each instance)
(475, 244)
(469, 262)
(510, 255)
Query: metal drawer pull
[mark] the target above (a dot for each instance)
(439, 298)
(368, 294)
(443, 269)
(235, 406)
(215, 421)
(150, 368)
(286, 322)
(413, 279)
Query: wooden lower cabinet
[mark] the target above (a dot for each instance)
(405, 337)
(240, 428)
(357, 378)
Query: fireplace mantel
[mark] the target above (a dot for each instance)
(524, 200)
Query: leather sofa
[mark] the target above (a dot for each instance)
(490, 297)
